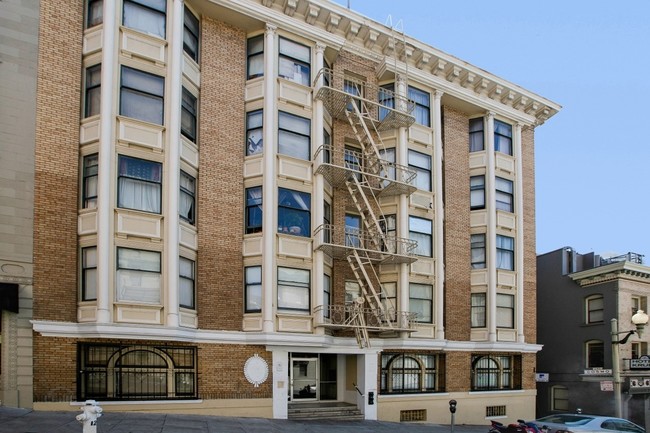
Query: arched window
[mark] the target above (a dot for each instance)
(403, 373)
(491, 372)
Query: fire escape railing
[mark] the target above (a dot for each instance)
(366, 175)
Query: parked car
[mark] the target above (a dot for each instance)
(581, 423)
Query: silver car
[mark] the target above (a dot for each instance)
(581, 423)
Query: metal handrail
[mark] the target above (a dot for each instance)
(358, 238)
(342, 316)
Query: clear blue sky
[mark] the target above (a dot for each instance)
(591, 57)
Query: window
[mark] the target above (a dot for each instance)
(388, 298)
(422, 105)
(186, 272)
(403, 373)
(477, 192)
(421, 231)
(94, 13)
(353, 87)
(253, 289)
(147, 16)
(191, 34)
(327, 294)
(139, 184)
(254, 210)
(560, 398)
(294, 136)
(502, 137)
(639, 349)
(187, 197)
(138, 276)
(389, 228)
(595, 309)
(505, 253)
(255, 57)
(478, 310)
(188, 115)
(478, 250)
(89, 274)
(254, 132)
(293, 289)
(421, 302)
(294, 62)
(505, 311)
(353, 159)
(352, 291)
(122, 372)
(352, 231)
(89, 186)
(141, 95)
(504, 194)
(327, 221)
(386, 99)
(493, 373)
(93, 90)
(476, 137)
(294, 212)
(388, 155)
(421, 163)
(327, 147)
(595, 353)
(639, 303)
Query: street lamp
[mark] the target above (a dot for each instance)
(639, 320)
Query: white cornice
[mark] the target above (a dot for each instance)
(613, 271)
(301, 342)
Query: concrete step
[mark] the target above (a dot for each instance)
(348, 413)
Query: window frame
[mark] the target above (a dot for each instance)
(505, 311)
(94, 14)
(191, 278)
(428, 236)
(423, 301)
(425, 109)
(502, 251)
(304, 74)
(421, 169)
(297, 285)
(289, 215)
(478, 310)
(477, 192)
(189, 112)
(250, 55)
(327, 295)
(142, 96)
(429, 379)
(87, 268)
(253, 130)
(120, 193)
(560, 389)
(252, 285)
(284, 133)
(141, 270)
(184, 191)
(497, 376)
(251, 204)
(478, 250)
(327, 221)
(386, 99)
(353, 236)
(90, 173)
(504, 194)
(594, 354)
(191, 31)
(148, 8)
(502, 141)
(93, 89)
(476, 144)
(590, 310)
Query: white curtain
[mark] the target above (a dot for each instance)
(144, 19)
(136, 194)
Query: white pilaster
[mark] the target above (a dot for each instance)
(172, 155)
(439, 218)
(491, 236)
(367, 383)
(519, 239)
(319, 195)
(280, 376)
(269, 183)
(105, 170)
(401, 158)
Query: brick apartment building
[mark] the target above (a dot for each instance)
(243, 206)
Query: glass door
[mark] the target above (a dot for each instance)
(304, 379)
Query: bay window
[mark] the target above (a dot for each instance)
(191, 34)
(142, 95)
(422, 101)
(139, 184)
(253, 210)
(477, 242)
(505, 311)
(254, 132)
(186, 279)
(138, 276)
(294, 62)
(504, 194)
(94, 13)
(421, 302)
(327, 294)
(477, 192)
(293, 290)
(294, 212)
(253, 289)
(93, 90)
(421, 231)
(478, 310)
(186, 203)
(294, 136)
(188, 115)
(255, 57)
(502, 137)
(421, 164)
(89, 274)
(89, 186)
(505, 253)
(476, 137)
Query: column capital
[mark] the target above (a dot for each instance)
(437, 94)
(490, 114)
(320, 47)
(271, 29)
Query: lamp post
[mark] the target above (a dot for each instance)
(639, 320)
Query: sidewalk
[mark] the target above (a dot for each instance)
(26, 421)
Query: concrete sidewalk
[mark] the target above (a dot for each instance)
(27, 421)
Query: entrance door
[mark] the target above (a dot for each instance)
(304, 379)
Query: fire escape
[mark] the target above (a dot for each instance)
(366, 176)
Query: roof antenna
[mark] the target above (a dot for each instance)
(348, 4)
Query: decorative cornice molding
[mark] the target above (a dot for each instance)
(614, 271)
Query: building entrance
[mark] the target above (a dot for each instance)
(312, 377)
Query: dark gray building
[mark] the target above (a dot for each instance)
(577, 297)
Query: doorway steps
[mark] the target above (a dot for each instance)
(321, 411)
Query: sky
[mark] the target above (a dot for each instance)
(592, 58)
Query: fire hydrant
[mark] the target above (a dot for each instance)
(88, 418)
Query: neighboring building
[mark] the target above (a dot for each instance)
(241, 206)
(577, 297)
(18, 67)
